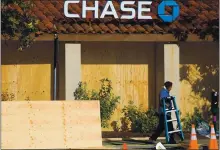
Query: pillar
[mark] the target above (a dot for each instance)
(171, 70)
(72, 69)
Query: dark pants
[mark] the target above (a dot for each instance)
(214, 115)
(161, 127)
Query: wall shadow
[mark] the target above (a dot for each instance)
(122, 53)
(41, 52)
(200, 69)
(205, 61)
(207, 83)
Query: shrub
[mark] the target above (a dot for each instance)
(195, 119)
(189, 119)
(81, 93)
(141, 121)
(108, 101)
(6, 96)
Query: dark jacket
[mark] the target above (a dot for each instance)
(214, 103)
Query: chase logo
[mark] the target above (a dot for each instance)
(175, 10)
(109, 9)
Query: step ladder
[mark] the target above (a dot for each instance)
(169, 106)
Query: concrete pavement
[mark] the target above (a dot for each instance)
(142, 143)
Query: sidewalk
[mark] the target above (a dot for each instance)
(142, 143)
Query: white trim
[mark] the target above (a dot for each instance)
(72, 69)
(172, 72)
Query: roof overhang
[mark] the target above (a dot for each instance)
(120, 37)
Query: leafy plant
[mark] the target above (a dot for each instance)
(189, 119)
(108, 101)
(211, 29)
(6, 96)
(195, 119)
(180, 35)
(18, 22)
(81, 92)
(141, 121)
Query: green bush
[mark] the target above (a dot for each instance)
(81, 93)
(141, 121)
(190, 119)
(6, 96)
(108, 101)
(195, 118)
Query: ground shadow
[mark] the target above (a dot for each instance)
(128, 134)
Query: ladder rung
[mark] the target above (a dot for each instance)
(171, 111)
(171, 120)
(174, 131)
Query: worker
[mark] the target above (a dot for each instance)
(214, 108)
(164, 93)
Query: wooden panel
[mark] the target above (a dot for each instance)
(83, 124)
(31, 82)
(128, 81)
(128, 69)
(9, 79)
(51, 125)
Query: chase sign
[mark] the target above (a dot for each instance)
(161, 10)
(130, 13)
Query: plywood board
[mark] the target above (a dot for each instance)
(128, 67)
(51, 124)
(31, 81)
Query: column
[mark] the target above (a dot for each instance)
(171, 71)
(72, 69)
(171, 67)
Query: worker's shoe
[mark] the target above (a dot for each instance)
(152, 141)
(172, 142)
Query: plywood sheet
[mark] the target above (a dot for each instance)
(27, 82)
(51, 124)
(128, 68)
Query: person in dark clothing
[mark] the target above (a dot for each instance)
(164, 93)
(214, 108)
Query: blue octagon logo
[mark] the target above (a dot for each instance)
(161, 10)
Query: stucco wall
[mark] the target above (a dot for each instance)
(130, 67)
(199, 75)
(135, 68)
(27, 75)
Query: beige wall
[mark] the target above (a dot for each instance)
(130, 67)
(199, 74)
(27, 75)
(135, 68)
